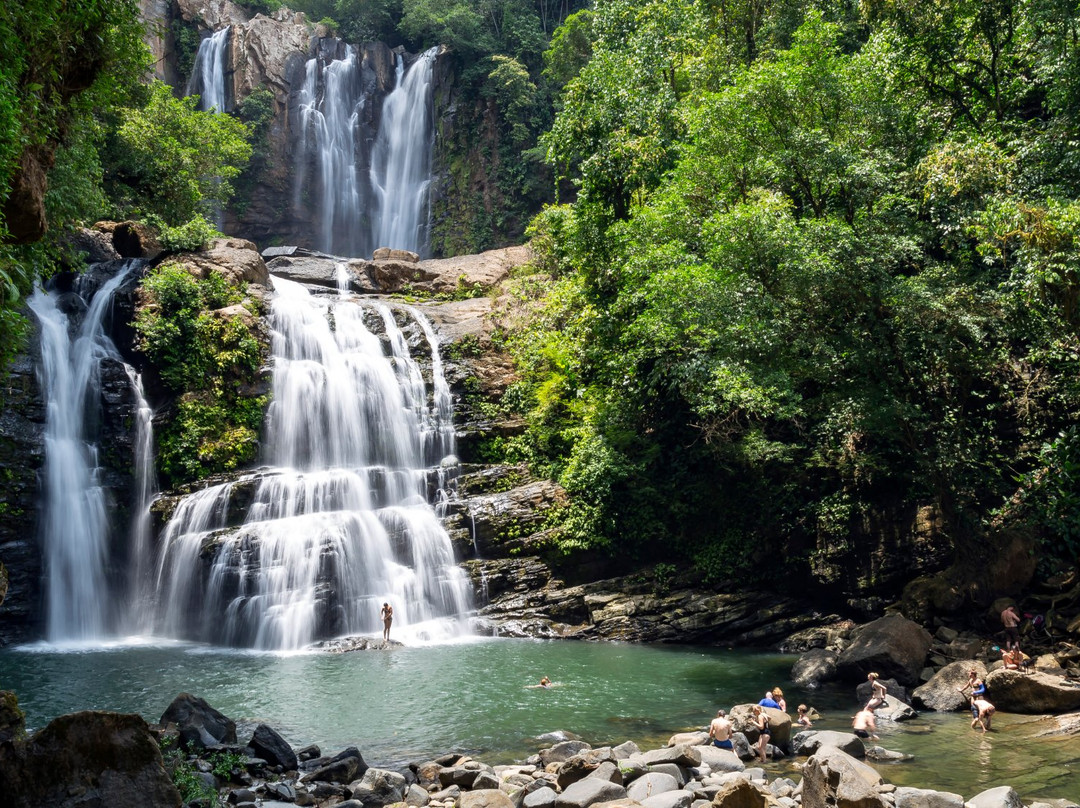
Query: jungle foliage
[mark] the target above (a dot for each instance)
(821, 264)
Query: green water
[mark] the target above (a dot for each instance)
(408, 704)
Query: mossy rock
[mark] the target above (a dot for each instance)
(12, 719)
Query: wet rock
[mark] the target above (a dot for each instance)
(1016, 692)
(199, 724)
(345, 767)
(892, 646)
(895, 710)
(942, 692)
(271, 747)
(813, 667)
(100, 758)
(12, 719)
(882, 754)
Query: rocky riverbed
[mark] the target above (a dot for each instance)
(195, 757)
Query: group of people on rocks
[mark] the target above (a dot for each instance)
(721, 727)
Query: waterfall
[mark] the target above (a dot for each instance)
(401, 160)
(359, 207)
(140, 562)
(74, 513)
(341, 521)
(328, 127)
(208, 76)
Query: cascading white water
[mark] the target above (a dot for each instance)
(328, 124)
(74, 520)
(342, 521)
(144, 490)
(401, 160)
(208, 75)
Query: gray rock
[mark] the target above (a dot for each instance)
(588, 792)
(417, 796)
(448, 794)
(927, 798)
(741, 793)
(1033, 693)
(864, 691)
(681, 755)
(343, 768)
(608, 770)
(541, 798)
(632, 768)
(942, 692)
(485, 780)
(485, 798)
(720, 760)
(832, 777)
(678, 772)
(814, 667)
(281, 791)
(562, 752)
(693, 738)
(669, 799)
(895, 710)
(625, 750)
(808, 742)
(650, 784)
(881, 753)
(378, 787)
(1000, 797)
(892, 646)
(199, 724)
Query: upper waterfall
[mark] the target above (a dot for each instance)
(208, 75)
(362, 170)
(342, 520)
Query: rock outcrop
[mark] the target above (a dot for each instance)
(892, 646)
(1033, 693)
(942, 693)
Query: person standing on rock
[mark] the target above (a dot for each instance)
(387, 615)
(877, 692)
(1010, 619)
(761, 721)
(720, 731)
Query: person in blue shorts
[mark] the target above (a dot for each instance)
(720, 731)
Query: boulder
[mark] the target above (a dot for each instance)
(681, 774)
(942, 692)
(681, 755)
(632, 768)
(199, 724)
(693, 738)
(880, 753)
(808, 742)
(416, 796)
(625, 750)
(741, 793)
(236, 259)
(742, 720)
(892, 646)
(720, 760)
(541, 798)
(608, 770)
(1000, 797)
(669, 799)
(485, 798)
(344, 767)
(652, 783)
(267, 744)
(1016, 692)
(814, 667)
(562, 752)
(575, 769)
(106, 759)
(895, 710)
(387, 254)
(588, 792)
(927, 798)
(485, 780)
(864, 691)
(378, 787)
(135, 240)
(834, 778)
(12, 719)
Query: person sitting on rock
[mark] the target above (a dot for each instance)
(720, 731)
(769, 701)
(804, 718)
(877, 692)
(864, 725)
(983, 712)
(1011, 658)
(778, 697)
(761, 721)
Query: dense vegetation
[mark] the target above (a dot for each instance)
(821, 268)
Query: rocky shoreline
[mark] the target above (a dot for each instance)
(193, 758)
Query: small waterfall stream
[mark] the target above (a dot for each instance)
(75, 523)
(401, 160)
(341, 521)
(208, 76)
